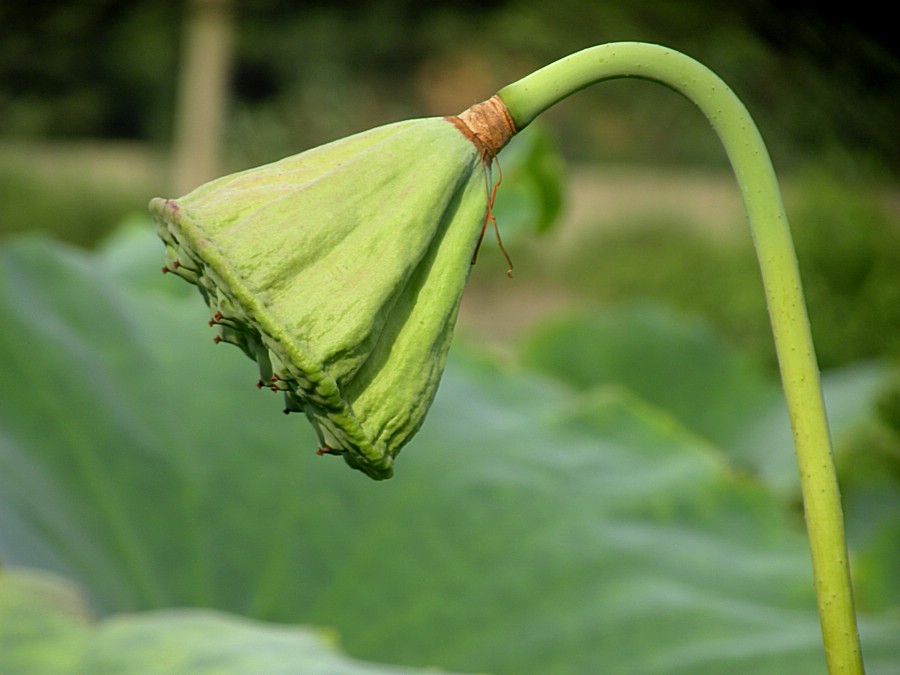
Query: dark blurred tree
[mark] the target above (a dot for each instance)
(96, 68)
(844, 61)
(814, 74)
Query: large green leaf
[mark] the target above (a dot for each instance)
(530, 527)
(668, 360)
(45, 627)
(679, 365)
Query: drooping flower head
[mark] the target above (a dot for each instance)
(340, 270)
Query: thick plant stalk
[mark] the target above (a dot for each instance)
(533, 94)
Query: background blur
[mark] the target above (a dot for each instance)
(819, 80)
(95, 117)
(606, 477)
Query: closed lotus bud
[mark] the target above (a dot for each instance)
(339, 271)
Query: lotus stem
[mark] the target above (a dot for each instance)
(528, 97)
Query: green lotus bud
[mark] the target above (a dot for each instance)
(340, 270)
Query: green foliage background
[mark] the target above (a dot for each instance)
(818, 78)
(565, 511)
(606, 477)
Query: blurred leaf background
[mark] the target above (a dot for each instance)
(606, 478)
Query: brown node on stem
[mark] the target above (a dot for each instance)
(488, 125)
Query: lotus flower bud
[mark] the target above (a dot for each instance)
(340, 271)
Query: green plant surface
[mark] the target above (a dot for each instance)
(761, 194)
(46, 627)
(535, 527)
(693, 374)
(532, 195)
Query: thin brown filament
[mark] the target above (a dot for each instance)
(490, 218)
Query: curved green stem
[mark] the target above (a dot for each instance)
(533, 94)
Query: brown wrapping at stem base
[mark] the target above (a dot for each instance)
(488, 125)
